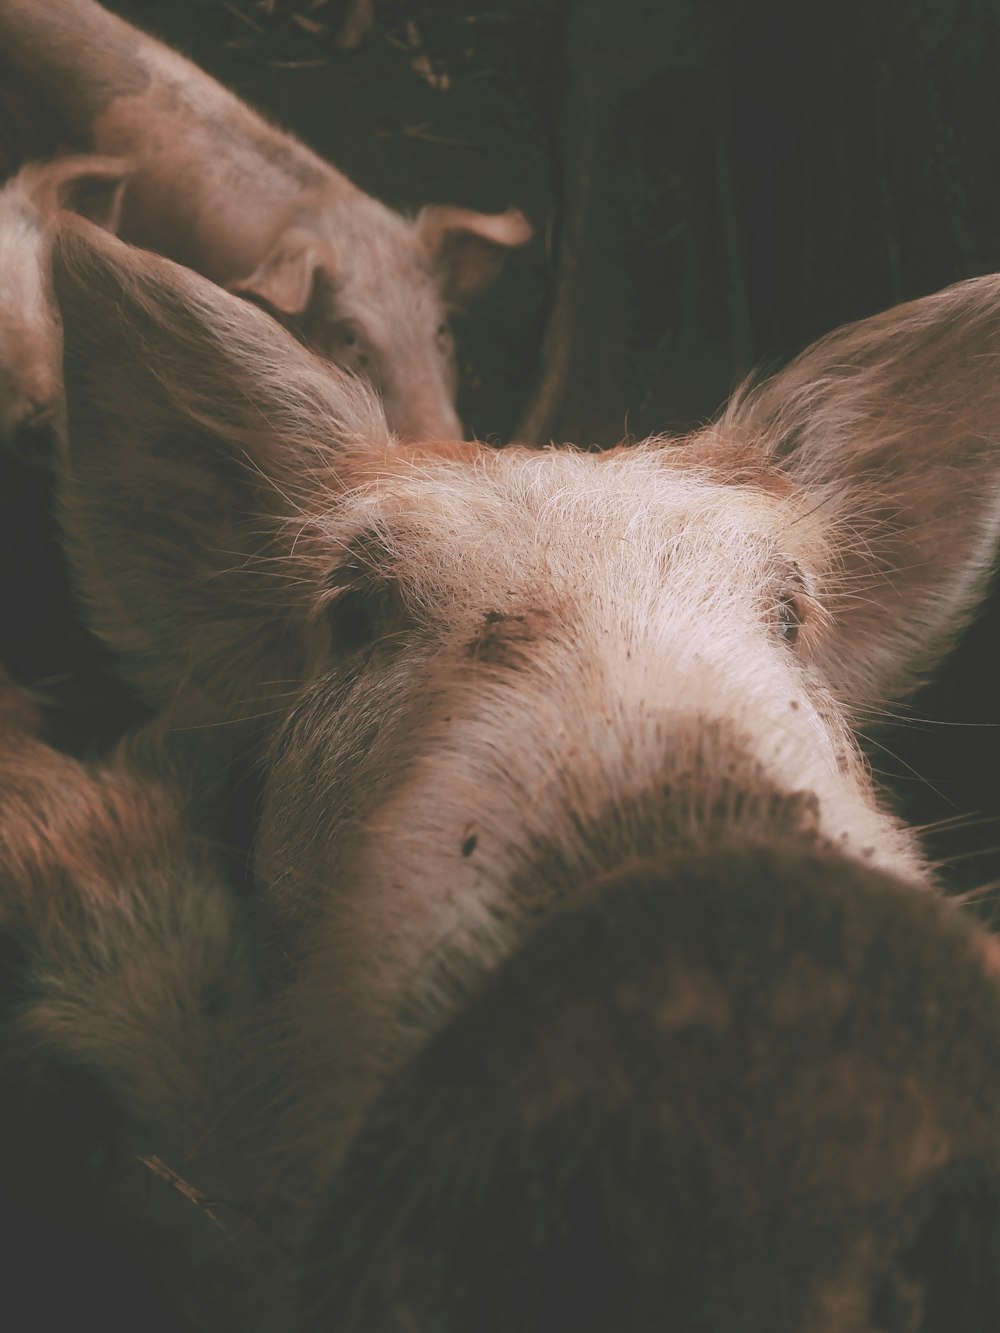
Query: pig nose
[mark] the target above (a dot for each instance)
(34, 439)
(755, 1088)
(427, 420)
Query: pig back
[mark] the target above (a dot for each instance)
(213, 182)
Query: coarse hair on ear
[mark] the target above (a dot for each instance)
(891, 428)
(467, 249)
(202, 438)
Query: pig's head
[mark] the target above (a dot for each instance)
(372, 292)
(585, 909)
(30, 336)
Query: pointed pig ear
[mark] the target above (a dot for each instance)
(201, 437)
(467, 249)
(285, 279)
(891, 428)
(92, 187)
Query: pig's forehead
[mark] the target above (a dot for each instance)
(522, 507)
(379, 262)
(566, 488)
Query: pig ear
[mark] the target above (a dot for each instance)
(284, 281)
(892, 428)
(467, 248)
(92, 187)
(199, 435)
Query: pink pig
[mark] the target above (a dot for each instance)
(220, 190)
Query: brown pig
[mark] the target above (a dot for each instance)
(599, 990)
(30, 336)
(220, 190)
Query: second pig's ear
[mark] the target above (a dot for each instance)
(202, 443)
(93, 187)
(466, 248)
(284, 281)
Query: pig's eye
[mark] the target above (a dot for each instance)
(354, 619)
(788, 618)
(362, 614)
(349, 343)
(789, 610)
(443, 330)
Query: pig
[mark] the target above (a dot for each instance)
(30, 338)
(220, 190)
(596, 985)
(125, 976)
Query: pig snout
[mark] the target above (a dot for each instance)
(31, 413)
(753, 1087)
(421, 412)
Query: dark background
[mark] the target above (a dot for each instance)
(714, 184)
